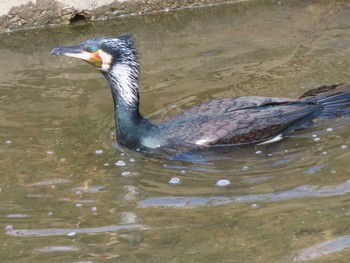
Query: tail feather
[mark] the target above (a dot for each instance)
(331, 101)
(335, 99)
(331, 98)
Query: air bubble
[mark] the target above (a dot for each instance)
(258, 152)
(98, 152)
(71, 234)
(174, 180)
(223, 183)
(126, 173)
(120, 163)
(8, 228)
(254, 206)
(329, 129)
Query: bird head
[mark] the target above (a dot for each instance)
(102, 52)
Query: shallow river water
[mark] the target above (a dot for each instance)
(67, 195)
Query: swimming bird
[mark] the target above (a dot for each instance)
(228, 121)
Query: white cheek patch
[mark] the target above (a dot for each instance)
(106, 60)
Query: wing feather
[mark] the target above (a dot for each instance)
(237, 121)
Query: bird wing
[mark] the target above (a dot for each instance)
(237, 121)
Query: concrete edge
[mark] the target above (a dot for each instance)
(26, 14)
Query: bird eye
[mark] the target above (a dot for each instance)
(93, 49)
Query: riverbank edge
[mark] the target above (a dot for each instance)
(26, 14)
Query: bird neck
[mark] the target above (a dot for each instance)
(130, 125)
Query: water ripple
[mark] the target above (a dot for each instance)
(299, 192)
(324, 248)
(66, 231)
(49, 249)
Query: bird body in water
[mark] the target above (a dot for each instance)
(228, 121)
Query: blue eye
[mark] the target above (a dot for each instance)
(93, 48)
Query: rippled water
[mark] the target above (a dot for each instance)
(67, 195)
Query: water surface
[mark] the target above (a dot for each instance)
(67, 195)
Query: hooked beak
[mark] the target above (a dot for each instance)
(78, 52)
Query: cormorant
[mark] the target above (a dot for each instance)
(227, 121)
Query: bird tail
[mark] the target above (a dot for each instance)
(335, 100)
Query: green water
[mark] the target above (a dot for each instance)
(63, 202)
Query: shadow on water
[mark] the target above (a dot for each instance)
(67, 195)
